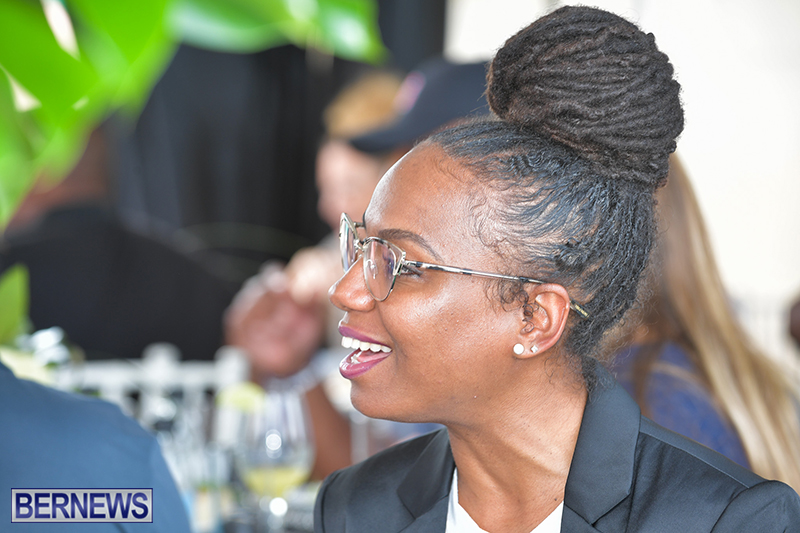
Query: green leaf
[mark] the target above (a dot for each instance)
(15, 180)
(14, 298)
(61, 152)
(30, 53)
(349, 29)
(123, 46)
(241, 26)
(127, 42)
(344, 27)
(123, 84)
(47, 138)
(132, 25)
(16, 173)
(122, 49)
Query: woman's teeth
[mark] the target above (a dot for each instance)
(349, 342)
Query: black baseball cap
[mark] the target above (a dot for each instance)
(435, 94)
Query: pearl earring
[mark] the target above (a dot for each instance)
(518, 349)
(534, 348)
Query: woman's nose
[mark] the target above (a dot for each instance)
(350, 292)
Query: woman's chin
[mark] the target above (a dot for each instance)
(373, 405)
(370, 404)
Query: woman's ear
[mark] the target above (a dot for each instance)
(544, 317)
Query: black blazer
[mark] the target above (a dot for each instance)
(627, 474)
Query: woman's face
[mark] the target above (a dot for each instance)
(449, 345)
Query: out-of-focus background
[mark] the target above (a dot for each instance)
(222, 155)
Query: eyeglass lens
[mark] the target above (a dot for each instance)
(379, 261)
(379, 268)
(347, 244)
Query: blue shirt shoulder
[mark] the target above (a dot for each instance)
(54, 439)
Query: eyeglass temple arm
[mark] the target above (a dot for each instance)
(454, 270)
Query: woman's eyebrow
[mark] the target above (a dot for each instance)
(393, 235)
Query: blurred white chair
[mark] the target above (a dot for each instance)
(175, 399)
(158, 375)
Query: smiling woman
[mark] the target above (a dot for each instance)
(549, 205)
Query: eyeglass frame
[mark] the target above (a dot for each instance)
(404, 265)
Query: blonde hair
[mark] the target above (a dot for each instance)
(368, 103)
(689, 306)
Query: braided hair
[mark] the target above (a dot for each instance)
(586, 115)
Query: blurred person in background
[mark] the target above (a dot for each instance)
(691, 367)
(281, 317)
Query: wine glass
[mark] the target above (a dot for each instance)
(276, 450)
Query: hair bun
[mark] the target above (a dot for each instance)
(595, 82)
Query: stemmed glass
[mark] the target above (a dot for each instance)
(276, 449)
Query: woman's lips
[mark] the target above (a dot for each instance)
(365, 356)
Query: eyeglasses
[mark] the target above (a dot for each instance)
(384, 261)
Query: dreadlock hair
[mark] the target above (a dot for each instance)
(587, 113)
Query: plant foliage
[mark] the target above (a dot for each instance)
(67, 64)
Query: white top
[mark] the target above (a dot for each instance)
(459, 521)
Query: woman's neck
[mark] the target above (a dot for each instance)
(513, 466)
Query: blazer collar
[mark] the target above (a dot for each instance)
(601, 472)
(420, 491)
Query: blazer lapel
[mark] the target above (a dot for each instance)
(601, 473)
(572, 522)
(424, 496)
(435, 520)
